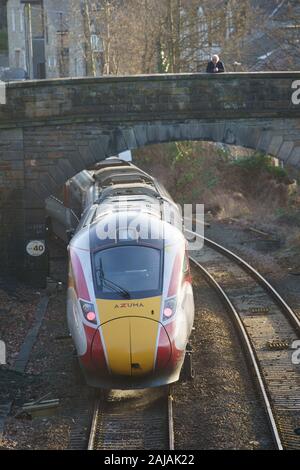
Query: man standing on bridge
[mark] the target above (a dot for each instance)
(215, 65)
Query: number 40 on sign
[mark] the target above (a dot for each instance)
(36, 248)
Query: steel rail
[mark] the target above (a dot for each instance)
(249, 350)
(262, 280)
(93, 425)
(97, 427)
(288, 313)
(170, 422)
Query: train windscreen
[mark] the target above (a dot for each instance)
(128, 272)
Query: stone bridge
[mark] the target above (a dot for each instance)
(52, 129)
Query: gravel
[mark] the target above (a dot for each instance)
(220, 408)
(276, 264)
(17, 311)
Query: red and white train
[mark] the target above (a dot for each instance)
(130, 302)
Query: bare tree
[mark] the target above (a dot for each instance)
(170, 36)
(282, 28)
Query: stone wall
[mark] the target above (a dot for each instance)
(125, 99)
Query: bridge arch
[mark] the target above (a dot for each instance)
(58, 166)
(52, 129)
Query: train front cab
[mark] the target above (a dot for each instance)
(143, 314)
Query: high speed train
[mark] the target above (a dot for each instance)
(130, 304)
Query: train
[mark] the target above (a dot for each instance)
(130, 304)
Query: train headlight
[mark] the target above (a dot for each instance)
(88, 311)
(169, 308)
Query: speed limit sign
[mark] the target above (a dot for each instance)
(36, 248)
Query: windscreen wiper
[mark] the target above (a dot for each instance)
(112, 285)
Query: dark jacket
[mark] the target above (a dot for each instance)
(211, 67)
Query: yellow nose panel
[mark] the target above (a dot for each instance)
(110, 309)
(143, 334)
(117, 341)
(130, 332)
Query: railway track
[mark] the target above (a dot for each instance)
(133, 420)
(268, 328)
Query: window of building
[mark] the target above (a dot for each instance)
(96, 43)
(13, 20)
(3, 15)
(52, 63)
(3, 34)
(37, 21)
(21, 20)
(63, 53)
(17, 58)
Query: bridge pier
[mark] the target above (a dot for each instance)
(11, 231)
(35, 255)
(22, 214)
(22, 223)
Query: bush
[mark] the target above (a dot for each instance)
(188, 169)
(260, 163)
(227, 183)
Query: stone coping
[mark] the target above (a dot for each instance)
(155, 77)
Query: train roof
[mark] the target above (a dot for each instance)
(110, 162)
(122, 188)
(124, 178)
(109, 177)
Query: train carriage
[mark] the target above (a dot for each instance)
(130, 300)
